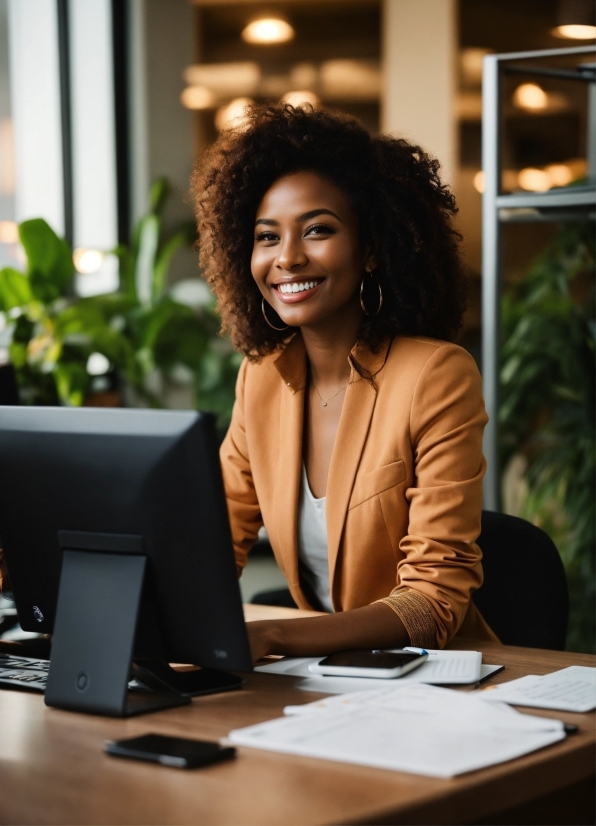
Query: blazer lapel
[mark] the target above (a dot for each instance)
(291, 365)
(354, 425)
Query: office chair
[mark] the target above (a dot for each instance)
(524, 597)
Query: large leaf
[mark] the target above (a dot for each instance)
(49, 260)
(180, 340)
(81, 318)
(72, 383)
(148, 321)
(118, 350)
(145, 263)
(126, 271)
(158, 194)
(15, 289)
(164, 257)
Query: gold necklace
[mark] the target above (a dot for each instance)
(325, 403)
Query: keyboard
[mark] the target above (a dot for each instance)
(32, 674)
(23, 672)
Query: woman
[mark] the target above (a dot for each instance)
(357, 429)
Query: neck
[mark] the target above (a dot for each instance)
(328, 346)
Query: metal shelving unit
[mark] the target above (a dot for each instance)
(562, 204)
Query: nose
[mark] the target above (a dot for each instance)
(290, 255)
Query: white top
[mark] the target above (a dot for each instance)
(312, 542)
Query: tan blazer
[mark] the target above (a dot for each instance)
(404, 493)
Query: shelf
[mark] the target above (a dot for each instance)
(571, 203)
(529, 216)
(569, 197)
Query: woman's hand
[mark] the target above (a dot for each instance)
(261, 636)
(374, 626)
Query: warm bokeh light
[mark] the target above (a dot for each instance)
(301, 98)
(197, 97)
(268, 30)
(479, 181)
(97, 364)
(304, 75)
(9, 232)
(226, 80)
(560, 174)
(87, 261)
(530, 96)
(470, 65)
(575, 31)
(233, 115)
(351, 79)
(534, 180)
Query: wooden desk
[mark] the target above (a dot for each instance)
(53, 769)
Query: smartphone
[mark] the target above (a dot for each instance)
(170, 751)
(384, 665)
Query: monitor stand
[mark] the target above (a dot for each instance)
(190, 682)
(101, 586)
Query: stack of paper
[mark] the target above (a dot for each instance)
(441, 668)
(414, 728)
(570, 689)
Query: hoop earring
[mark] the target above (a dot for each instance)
(273, 327)
(364, 310)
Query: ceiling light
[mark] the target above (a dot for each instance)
(301, 98)
(87, 261)
(530, 96)
(268, 30)
(234, 115)
(197, 97)
(575, 32)
(534, 180)
(9, 232)
(576, 20)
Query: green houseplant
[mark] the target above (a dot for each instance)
(547, 408)
(148, 337)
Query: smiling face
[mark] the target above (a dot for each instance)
(307, 258)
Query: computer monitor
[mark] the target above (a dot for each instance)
(116, 537)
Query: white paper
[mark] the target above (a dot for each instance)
(414, 728)
(441, 668)
(570, 689)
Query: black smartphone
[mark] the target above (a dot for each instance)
(179, 752)
(372, 663)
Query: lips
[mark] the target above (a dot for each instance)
(292, 291)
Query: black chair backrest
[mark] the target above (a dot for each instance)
(524, 597)
(9, 392)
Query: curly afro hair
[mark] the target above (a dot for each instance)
(404, 213)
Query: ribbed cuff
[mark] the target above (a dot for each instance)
(415, 613)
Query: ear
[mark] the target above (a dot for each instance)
(370, 258)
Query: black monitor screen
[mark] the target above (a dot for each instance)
(72, 476)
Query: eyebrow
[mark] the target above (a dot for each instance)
(304, 217)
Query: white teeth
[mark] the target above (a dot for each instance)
(297, 287)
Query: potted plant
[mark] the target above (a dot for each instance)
(547, 408)
(144, 337)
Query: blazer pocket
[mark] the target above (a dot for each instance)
(377, 481)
